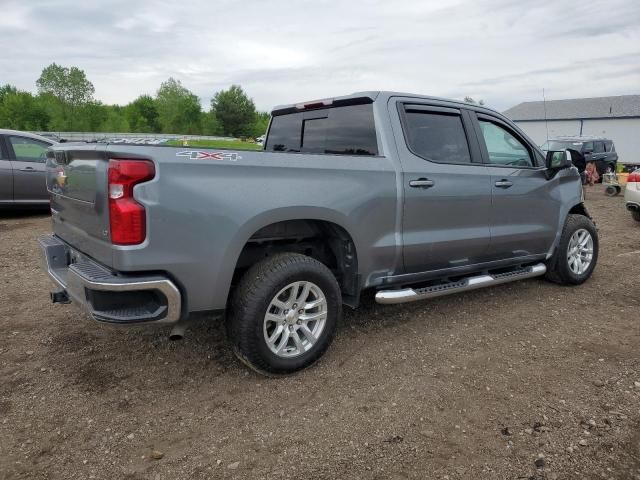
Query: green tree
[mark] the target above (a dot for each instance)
(115, 120)
(55, 112)
(21, 111)
(178, 109)
(471, 100)
(210, 124)
(92, 116)
(65, 103)
(260, 124)
(235, 111)
(7, 90)
(71, 87)
(142, 115)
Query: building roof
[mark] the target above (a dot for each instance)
(577, 108)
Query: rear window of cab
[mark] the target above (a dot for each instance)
(347, 130)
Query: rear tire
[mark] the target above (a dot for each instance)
(269, 331)
(576, 256)
(636, 215)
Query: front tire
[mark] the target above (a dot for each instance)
(284, 313)
(576, 256)
(636, 215)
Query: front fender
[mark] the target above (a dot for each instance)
(572, 201)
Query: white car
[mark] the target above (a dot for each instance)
(632, 194)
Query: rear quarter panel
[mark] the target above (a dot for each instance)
(200, 213)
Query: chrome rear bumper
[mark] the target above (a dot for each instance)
(109, 296)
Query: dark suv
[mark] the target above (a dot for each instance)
(595, 149)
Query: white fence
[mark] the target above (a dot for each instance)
(149, 138)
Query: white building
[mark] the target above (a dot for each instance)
(617, 118)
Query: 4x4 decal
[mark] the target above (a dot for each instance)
(200, 155)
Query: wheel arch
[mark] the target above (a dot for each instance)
(578, 209)
(297, 225)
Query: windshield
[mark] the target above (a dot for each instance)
(557, 145)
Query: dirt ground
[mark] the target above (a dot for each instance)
(522, 381)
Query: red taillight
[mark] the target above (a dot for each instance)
(126, 216)
(633, 177)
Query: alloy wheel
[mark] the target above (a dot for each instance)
(295, 319)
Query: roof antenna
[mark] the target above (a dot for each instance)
(544, 103)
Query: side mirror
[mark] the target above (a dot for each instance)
(558, 160)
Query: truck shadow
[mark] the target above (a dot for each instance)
(19, 213)
(100, 359)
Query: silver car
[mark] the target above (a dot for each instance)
(22, 169)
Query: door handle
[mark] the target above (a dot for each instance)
(421, 183)
(503, 183)
(28, 169)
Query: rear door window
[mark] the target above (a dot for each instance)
(29, 149)
(284, 133)
(437, 137)
(314, 134)
(352, 131)
(348, 130)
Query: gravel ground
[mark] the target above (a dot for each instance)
(522, 381)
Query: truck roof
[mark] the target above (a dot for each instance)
(369, 97)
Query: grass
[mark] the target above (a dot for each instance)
(232, 144)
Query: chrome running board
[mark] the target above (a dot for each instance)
(464, 285)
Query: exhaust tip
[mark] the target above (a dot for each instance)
(177, 332)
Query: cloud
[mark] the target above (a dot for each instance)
(571, 66)
(284, 51)
(14, 17)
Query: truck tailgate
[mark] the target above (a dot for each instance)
(77, 183)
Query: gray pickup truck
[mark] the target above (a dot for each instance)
(414, 197)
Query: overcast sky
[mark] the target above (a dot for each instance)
(280, 51)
